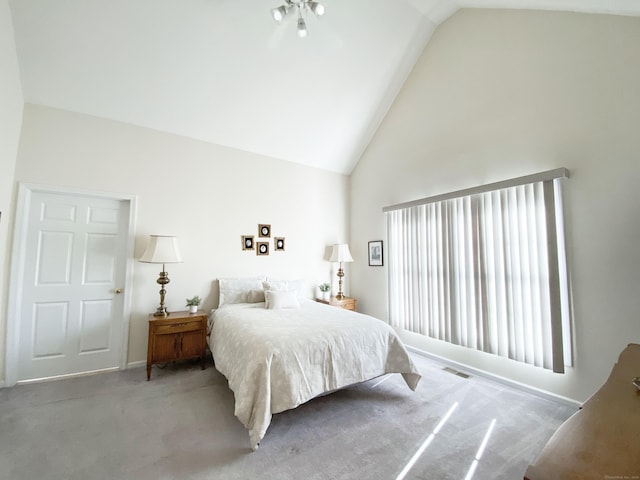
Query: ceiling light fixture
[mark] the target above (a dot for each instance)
(289, 6)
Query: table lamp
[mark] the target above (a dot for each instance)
(162, 249)
(340, 254)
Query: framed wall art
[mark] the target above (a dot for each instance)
(264, 230)
(375, 253)
(262, 248)
(278, 244)
(247, 242)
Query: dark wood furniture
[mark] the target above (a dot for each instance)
(602, 439)
(178, 336)
(347, 303)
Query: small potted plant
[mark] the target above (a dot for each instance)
(325, 288)
(193, 303)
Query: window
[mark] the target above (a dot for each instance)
(485, 268)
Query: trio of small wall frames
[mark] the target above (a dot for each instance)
(261, 246)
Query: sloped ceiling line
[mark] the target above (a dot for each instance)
(222, 71)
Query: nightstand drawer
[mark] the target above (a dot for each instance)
(348, 303)
(179, 327)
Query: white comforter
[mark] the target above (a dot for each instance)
(276, 360)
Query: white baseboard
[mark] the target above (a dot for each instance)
(141, 363)
(497, 378)
(68, 375)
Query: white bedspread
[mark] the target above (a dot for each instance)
(276, 360)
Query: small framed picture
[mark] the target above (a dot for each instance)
(278, 244)
(264, 230)
(247, 242)
(375, 253)
(262, 248)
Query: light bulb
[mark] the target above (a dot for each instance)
(279, 13)
(302, 28)
(317, 8)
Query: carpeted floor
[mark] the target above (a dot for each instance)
(180, 425)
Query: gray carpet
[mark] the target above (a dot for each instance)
(180, 425)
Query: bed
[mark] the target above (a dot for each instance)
(281, 352)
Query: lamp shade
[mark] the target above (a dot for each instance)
(162, 249)
(341, 253)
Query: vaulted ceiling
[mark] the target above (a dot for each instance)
(224, 72)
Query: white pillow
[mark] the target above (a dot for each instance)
(236, 290)
(298, 286)
(277, 299)
(256, 296)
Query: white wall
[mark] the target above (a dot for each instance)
(498, 94)
(207, 195)
(10, 119)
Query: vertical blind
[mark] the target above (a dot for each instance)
(485, 268)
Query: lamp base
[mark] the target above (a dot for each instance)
(163, 279)
(340, 295)
(161, 312)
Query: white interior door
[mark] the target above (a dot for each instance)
(71, 306)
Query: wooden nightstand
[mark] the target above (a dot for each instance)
(178, 336)
(347, 303)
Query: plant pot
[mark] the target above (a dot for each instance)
(193, 309)
(326, 296)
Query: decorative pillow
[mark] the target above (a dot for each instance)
(277, 299)
(298, 286)
(256, 296)
(236, 290)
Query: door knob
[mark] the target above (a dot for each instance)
(118, 290)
